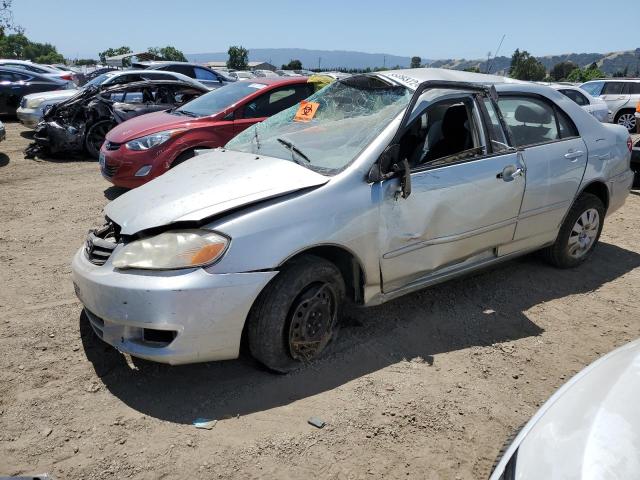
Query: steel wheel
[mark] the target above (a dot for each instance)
(96, 136)
(313, 317)
(584, 233)
(628, 121)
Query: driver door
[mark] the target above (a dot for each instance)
(463, 205)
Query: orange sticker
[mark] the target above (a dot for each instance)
(306, 111)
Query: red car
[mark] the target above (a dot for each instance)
(145, 147)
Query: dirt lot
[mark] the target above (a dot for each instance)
(426, 387)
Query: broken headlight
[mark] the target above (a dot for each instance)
(172, 250)
(150, 141)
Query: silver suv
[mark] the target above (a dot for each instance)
(622, 95)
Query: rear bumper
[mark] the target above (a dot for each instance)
(206, 312)
(619, 186)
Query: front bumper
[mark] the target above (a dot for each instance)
(206, 311)
(120, 166)
(29, 117)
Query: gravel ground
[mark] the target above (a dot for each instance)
(427, 386)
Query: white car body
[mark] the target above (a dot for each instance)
(621, 94)
(593, 105)
(588, 430)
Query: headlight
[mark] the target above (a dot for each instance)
(34, 102)
(150, 141)
(172, 250)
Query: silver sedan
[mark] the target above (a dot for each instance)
(375, 186)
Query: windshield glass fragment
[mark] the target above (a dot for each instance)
(331, 127)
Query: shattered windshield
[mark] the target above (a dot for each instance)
(219, 99)
(328, 130)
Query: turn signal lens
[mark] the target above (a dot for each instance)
(207, 254)
(638, 107)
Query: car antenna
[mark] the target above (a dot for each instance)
(490, 64)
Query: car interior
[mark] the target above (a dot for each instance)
(445, 132)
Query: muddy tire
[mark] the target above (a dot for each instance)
(296, 316)
(579, 233)
(94, 138)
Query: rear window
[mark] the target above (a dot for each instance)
(593, 88)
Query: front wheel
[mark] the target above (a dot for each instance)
(579, 233)
(296, 316)
(95, 136)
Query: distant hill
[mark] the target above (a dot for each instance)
(329, 59)
(609, 63)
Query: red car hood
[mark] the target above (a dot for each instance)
(147, 124)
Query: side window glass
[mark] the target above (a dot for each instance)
(7, 77)
(567, 127)
(444, 133)
(530, 121)
(575, 96)
(498, 138)
(202, 74)
(594, 88)
(634, 88)
(275, 101)
(613, 88)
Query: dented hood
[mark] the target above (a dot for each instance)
(208, 185)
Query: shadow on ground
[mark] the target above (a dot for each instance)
(441, 319)
(4, 160)
(114, 192)
(28, 134)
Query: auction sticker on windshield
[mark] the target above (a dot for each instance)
(306, 111)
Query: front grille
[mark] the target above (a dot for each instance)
(101, 242)
(111, 145)
(109, 170)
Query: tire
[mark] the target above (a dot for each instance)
(310, 289)
(627, 119)
(94, 138)
(572, 248)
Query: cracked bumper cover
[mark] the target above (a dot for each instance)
(207, 311)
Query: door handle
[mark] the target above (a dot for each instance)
(570, 155)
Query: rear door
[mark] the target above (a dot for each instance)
(616, 94)
(555, 157)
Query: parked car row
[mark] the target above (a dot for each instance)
(621, 95)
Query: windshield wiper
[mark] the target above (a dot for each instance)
(293, 150)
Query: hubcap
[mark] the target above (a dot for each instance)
(312, 321)
(584, 233)
(627, 120)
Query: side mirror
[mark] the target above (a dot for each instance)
(389, 166)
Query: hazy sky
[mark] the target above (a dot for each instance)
(430, 29)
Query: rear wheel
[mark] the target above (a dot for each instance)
(95, 136)
(296, 316)
(579, 233)
(627, 119)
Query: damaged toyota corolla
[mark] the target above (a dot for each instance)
(80, 124)
(374, 187)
